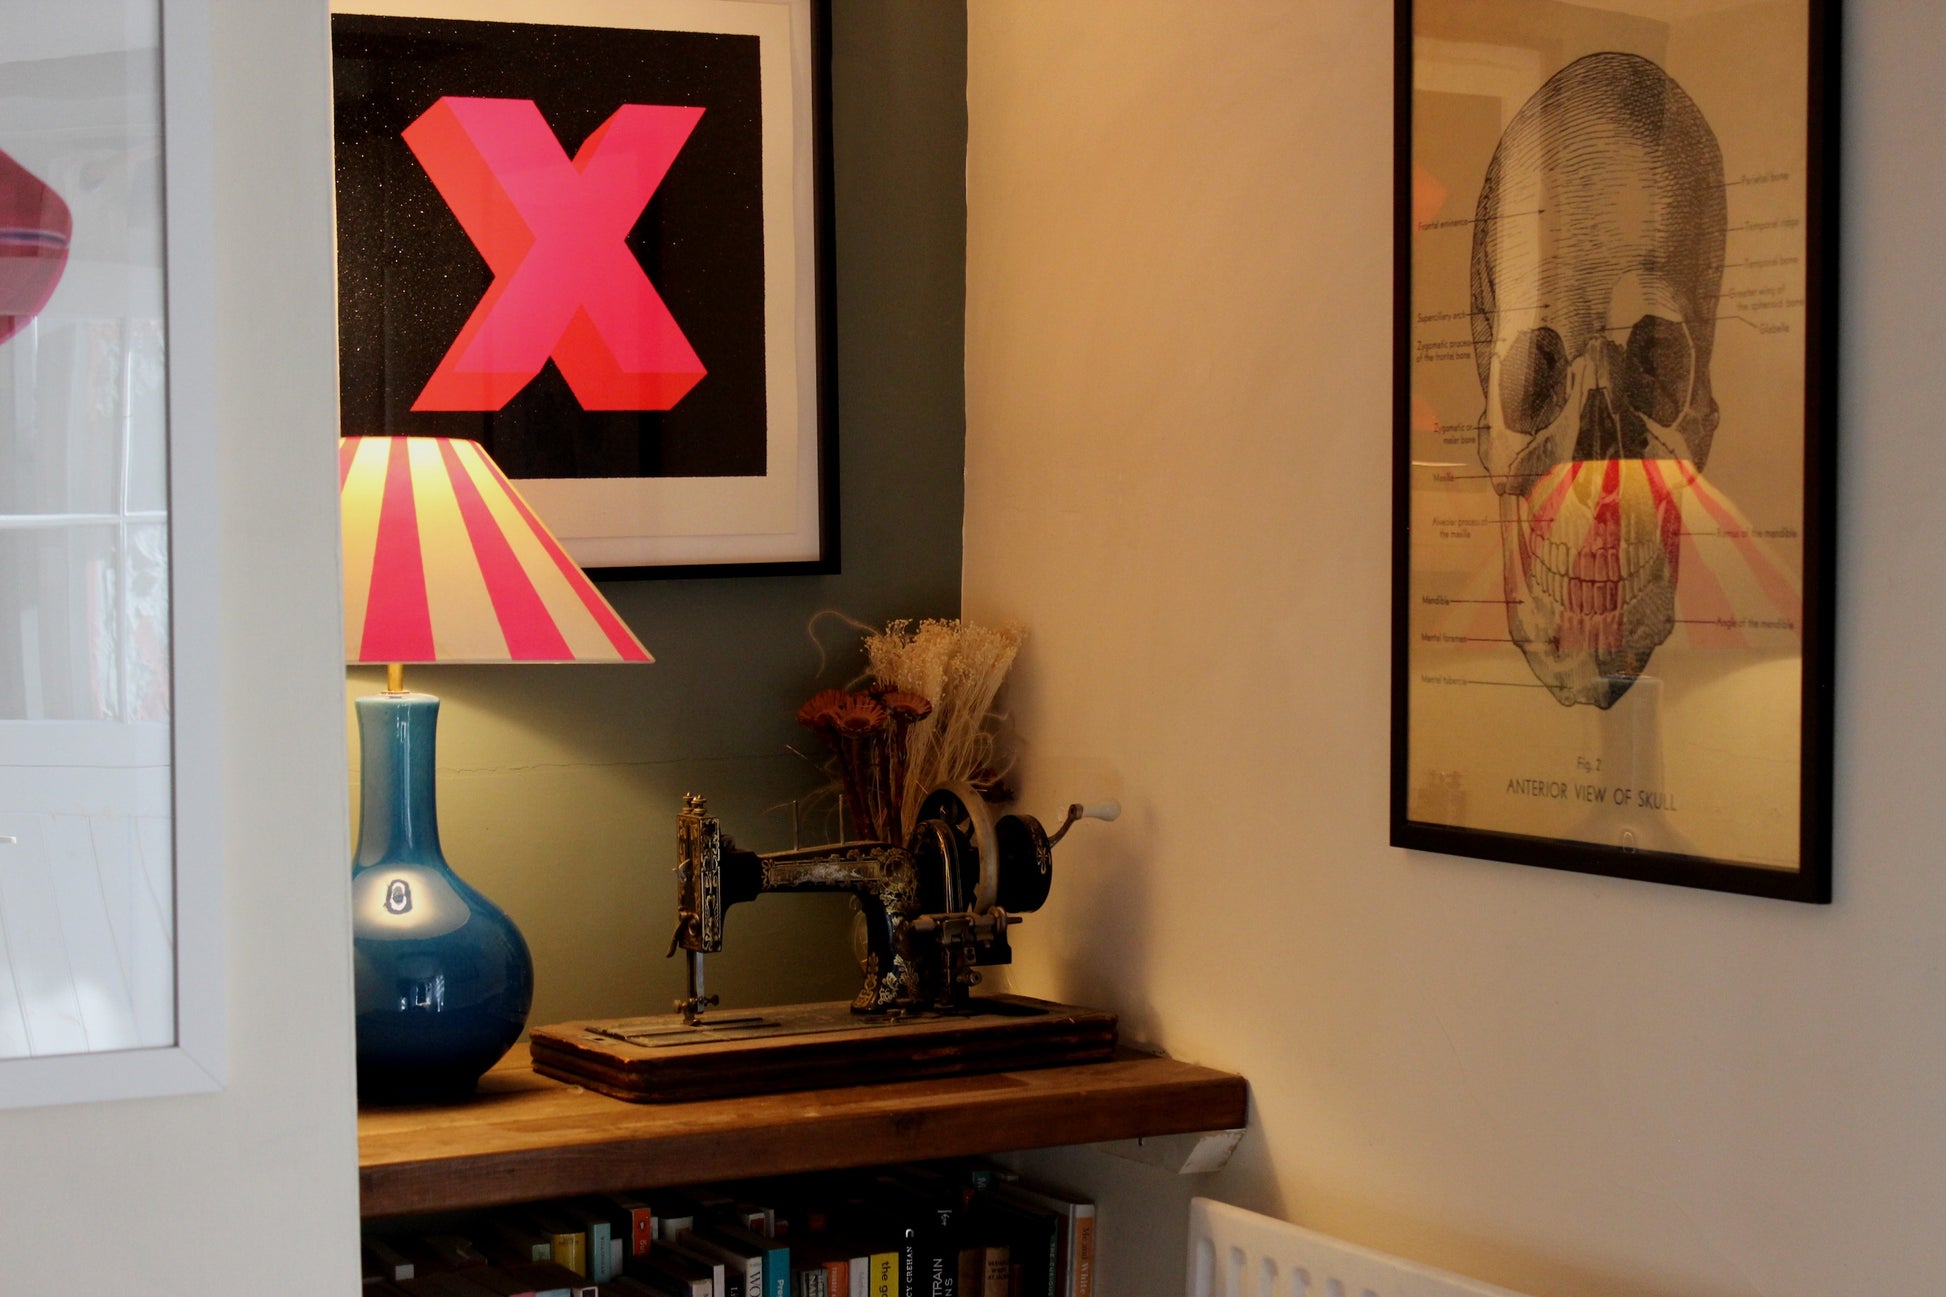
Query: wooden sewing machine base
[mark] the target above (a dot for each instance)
(813, 1046)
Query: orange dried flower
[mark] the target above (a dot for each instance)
(821, 709)
(857, 716)
(906, 707)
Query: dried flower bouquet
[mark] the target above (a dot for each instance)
(925, 719)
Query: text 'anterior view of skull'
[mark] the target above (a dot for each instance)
(1597, 260)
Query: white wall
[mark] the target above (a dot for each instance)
(1178, 379)
(254, 1189)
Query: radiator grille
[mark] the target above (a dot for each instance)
(1238, 1253)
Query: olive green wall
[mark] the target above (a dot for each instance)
(559, 785)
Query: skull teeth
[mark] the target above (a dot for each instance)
(1592, 582)
(1600, 632)
(1591, 570)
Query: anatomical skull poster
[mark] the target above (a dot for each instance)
(1613, 441)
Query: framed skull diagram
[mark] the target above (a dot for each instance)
(1613, 443)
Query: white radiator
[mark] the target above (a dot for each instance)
(1237, 1253)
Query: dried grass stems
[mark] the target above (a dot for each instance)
(925, 719)
(960, 666)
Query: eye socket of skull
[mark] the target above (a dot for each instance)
(1661, 359)
(1533, 380)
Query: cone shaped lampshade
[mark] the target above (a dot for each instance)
(443, 563)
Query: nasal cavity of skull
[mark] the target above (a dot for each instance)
(1645, 383)
(1609, 430)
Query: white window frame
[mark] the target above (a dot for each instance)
(196, 1061)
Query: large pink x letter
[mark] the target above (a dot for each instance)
(554, 231)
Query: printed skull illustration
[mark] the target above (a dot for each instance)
(1597, 259)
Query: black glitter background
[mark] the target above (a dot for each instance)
(408, 275)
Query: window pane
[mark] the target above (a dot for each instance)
(87, 930)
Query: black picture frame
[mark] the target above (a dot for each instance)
(730, 469)
(1591, 220)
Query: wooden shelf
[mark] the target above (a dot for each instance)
(525, 1137)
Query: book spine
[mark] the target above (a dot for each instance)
(940, 1276)
(1075, 1216)
(948, 1241)
(570, 1251)
(719, 1276)
(566, 1235)
(675, 1215)
(386, 1262)
(1077, 1231)
(1033, 1238)
(1084, 1254)
(997, 1273)
(641, 1219)
(601, 1258)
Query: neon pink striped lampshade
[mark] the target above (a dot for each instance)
(444, 562)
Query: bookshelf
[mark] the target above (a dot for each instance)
(524, 1137)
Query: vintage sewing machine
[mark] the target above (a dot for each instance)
(934, 910)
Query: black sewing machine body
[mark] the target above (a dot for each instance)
(933, 910)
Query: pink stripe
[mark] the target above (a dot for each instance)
(1548, 511)
(611, 625)
(1774, 583)
(530, 631)
(347, 451)
(1668, 510)
(1701, 603)
(398, 624)
(1703, 606)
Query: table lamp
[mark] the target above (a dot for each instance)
(444, 562)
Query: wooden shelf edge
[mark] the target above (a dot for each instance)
(527, 1137)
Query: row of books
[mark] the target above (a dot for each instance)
(951, 1229)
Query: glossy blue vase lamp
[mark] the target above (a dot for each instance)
(443, 978)
(444, 562)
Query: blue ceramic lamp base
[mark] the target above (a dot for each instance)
(443, 979)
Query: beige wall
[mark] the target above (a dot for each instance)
(190, 1195)
(1178, 385)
